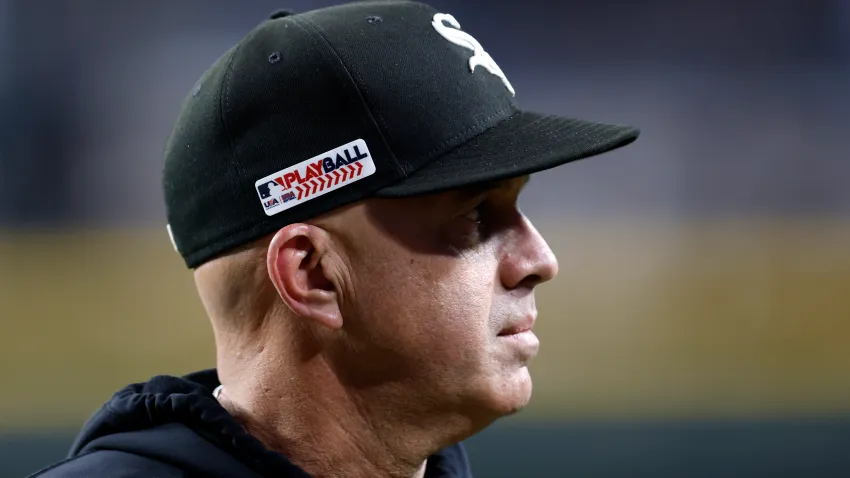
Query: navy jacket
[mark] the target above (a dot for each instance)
(172, 427)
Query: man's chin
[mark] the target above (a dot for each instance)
(512, 394)
(519, 391)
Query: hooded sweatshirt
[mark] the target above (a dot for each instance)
(174, 427)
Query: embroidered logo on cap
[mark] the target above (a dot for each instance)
(314, 177)
(461, 38)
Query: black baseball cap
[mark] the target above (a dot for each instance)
(316, 110)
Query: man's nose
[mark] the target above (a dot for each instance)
(527, 260)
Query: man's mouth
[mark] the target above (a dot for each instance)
(518, 327)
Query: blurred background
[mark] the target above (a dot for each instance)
(701, 322)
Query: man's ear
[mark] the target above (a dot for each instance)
(296, 269)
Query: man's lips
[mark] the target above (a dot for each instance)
(519, 327)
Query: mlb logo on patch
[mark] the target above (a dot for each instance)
(314, 177)
(274, 194)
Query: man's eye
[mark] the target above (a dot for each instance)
(474, 215)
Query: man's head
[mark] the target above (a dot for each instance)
(345, 183)
(423, 298)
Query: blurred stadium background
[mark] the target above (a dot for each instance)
(701, 322)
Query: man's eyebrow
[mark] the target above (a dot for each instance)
(478, 189)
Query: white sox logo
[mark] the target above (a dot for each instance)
(461, 38)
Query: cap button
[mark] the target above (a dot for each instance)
(281, 13)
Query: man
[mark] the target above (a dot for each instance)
(344, 184)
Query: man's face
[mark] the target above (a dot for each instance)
(438, 292)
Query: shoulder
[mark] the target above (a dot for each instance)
(109, 463)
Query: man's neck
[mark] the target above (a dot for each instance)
(326, 429)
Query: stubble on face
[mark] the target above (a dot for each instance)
(425, 303)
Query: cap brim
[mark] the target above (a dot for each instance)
(525, 143)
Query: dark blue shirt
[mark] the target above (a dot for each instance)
(173, 427)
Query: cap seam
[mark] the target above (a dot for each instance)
(466, 131)
(381, 128)
(224, 100)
